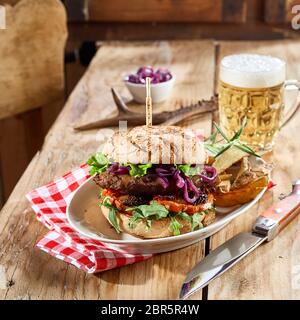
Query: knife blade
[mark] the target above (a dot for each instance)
(266, 227)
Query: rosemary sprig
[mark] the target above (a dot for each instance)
(221, 132)
(213, 137)
(226, 147)
(239, 132)
(218, 148)
(213, 148)
(247, 149)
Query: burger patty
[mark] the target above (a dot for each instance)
(148, 185)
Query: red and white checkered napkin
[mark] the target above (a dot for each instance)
(63, 242)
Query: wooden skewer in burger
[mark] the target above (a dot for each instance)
(164, 188)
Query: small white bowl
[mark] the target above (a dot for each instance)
(159, 91)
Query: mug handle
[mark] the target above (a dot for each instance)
(295, 106)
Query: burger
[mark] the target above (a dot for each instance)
(155, 181)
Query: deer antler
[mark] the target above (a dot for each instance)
(138, 118)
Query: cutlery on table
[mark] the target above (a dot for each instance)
(266, 228)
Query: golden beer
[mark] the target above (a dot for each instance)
(251, 86)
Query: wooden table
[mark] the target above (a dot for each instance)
(271, 272)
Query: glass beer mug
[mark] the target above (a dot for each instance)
(252, 86)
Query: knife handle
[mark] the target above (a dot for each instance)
(279, 215)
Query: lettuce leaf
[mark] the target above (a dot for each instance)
(184, 216)
(98, 163)
(175, 226)
(138, 170)
(188, 170)
(196, 220)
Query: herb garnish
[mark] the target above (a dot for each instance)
(112, 215)
(217, 148)
(151, 211)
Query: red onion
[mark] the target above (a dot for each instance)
(162, 172)
(115, 168)
(133, 78)
(164, 75)
(160, 75)
(179, 180)
(209, 175)
(145, 72)
(164, 181)
(192, 188)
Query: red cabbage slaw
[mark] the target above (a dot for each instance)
(168, 173)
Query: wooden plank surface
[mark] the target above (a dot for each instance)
(270, 271)
(28, 273)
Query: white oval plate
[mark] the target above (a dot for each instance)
(84, 215)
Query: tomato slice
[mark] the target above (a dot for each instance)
(114, 196)
(173, 204)
(179, 205)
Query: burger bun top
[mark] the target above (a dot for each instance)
(156, 145)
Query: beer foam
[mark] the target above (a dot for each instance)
(252, 71)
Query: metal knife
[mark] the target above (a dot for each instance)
(266, 227)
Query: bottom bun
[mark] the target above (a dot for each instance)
(159, 228)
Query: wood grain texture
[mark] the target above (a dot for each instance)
(37, 275)
(275, 11)
(155, 10)
(279, 11)
(131, 31)
(32, 55)
(268, 272)
(234, 10)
